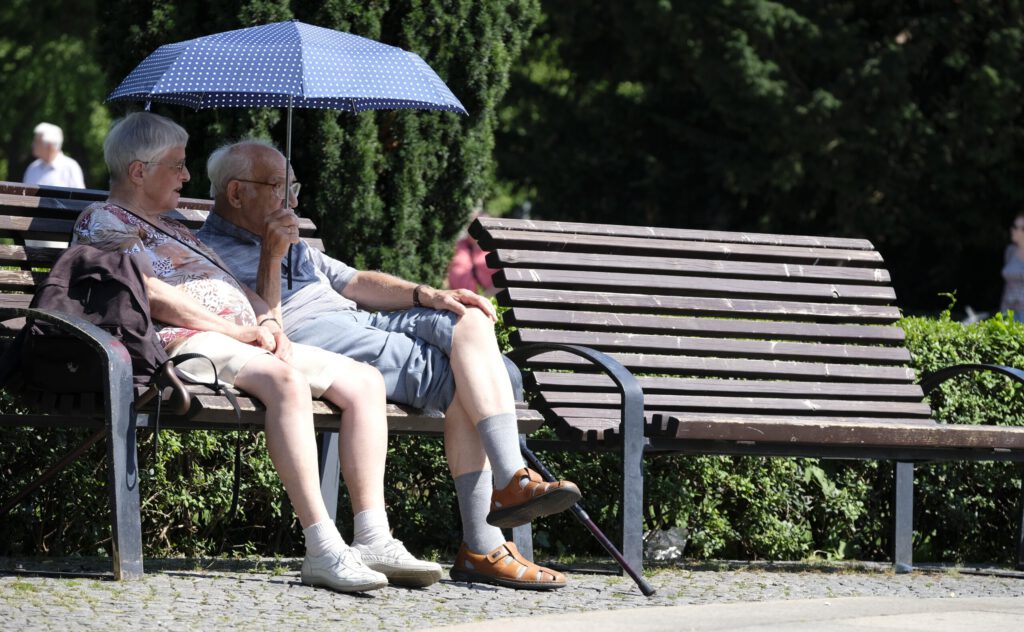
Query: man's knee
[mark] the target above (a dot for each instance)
(475, 323)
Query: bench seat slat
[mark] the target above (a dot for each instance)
(751, 405)
(696, 267)
(628, 323)
(861, 432)
(596, 383)
(732, 367)
(717, 347)
(697, 305)
(497, 224)
(616, 282)
(559, 242)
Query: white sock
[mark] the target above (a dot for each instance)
(371, 527)
(323, 538)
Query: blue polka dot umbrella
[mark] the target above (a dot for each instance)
(286, 64)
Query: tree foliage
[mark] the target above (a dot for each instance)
(897, 121)
(49, 72)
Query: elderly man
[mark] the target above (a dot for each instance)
(52, 167)
(435, 348)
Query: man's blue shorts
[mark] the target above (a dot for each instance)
(410, 347)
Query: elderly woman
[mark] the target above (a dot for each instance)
(200, 307)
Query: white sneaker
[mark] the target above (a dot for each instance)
(343, 571)
(400, 567)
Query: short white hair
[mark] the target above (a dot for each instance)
(50, 134)
(231, 162)
(142, 136)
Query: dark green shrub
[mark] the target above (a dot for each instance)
(735, 507)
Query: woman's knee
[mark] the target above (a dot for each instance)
(269, 377)
(357, 381)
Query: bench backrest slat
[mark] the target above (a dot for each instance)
(688, 325)
(699, 305)
(653, 232)
(695, 267)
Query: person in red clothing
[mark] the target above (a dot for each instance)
(468, 267)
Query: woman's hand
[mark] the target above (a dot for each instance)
(258, 336)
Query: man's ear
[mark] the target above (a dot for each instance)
(233, 194)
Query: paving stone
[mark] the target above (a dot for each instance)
(257, 595)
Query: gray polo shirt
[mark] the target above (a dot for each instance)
(317, 279)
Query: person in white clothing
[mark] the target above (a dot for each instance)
(52, 167)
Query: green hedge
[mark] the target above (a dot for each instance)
(742, 507)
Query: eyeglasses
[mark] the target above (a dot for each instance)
(294, 187)
(1017, 226)
(177, 166)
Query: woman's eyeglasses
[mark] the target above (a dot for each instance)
(177, 166)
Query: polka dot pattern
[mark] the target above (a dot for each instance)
(263, 66)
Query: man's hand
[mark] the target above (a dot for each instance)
(456, 301)
(280, 231)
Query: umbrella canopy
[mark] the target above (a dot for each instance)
(289, 64)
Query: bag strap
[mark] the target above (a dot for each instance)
(204, 255)
(166, 375)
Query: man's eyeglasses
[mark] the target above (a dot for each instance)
(177, 166)
(1017, 226)
(294, 187)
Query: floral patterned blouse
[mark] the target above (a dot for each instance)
(178, 259)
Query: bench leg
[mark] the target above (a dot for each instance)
(330, 472)
(633, 493)
(903, 538)
(522, 536)
(126, 523)
(1020, 523)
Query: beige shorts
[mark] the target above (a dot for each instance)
(230, 356)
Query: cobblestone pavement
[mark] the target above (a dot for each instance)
(38, 594)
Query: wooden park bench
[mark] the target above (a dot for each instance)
(744, 344)
(48, 213)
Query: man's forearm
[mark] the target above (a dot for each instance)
(379, 291)
(268, 282)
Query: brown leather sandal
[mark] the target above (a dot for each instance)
(504, 566)
(528, 496)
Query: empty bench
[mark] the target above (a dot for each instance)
(34, 214)
(742, 343)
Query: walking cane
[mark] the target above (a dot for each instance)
(582, 516)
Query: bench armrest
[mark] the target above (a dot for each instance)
(932, 380)
(118, 362)
(629, 387)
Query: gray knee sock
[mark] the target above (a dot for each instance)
(500, 437)
(474, 492)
